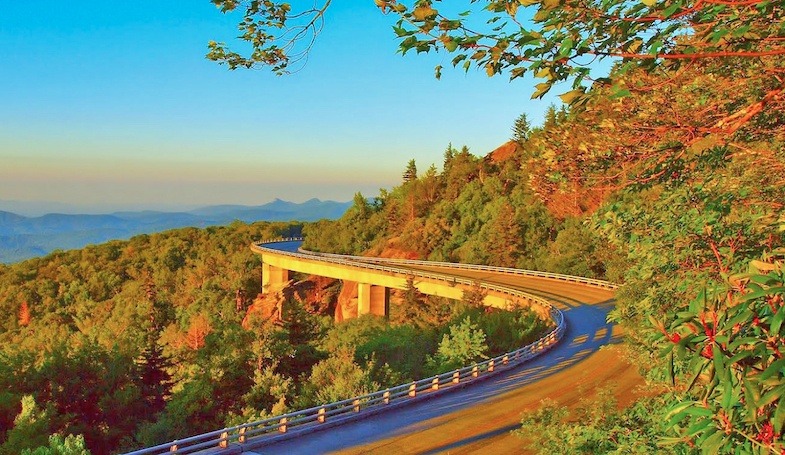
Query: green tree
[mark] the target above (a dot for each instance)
(410, 174)
(521, 129)
(464, 344)
(336, 378)
(30, 428)
(70, 445)
(155, 382)
(413, 308)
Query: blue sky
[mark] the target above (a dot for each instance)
(111, 105)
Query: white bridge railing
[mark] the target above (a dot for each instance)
(487, 268)
(253, 434)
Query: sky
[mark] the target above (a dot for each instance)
(112, 105)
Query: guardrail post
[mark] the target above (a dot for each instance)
(386, 397)
(282, 425)
(224, 440)
(435, 384)
(173, 448)
(241, 438)
(475, 371)
(413, 390)
(490, 366)
(356, 404)
(321, 417)
(456, 377)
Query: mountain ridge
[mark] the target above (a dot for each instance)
(23, 237)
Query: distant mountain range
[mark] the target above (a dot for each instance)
(24, 237)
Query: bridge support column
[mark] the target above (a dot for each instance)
(373, 299)
(273, 275)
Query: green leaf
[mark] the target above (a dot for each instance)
(677, 410)
(751, 396)
(569, 97)
(566, 47)
(771, 396)
(668, 12)
(739, 356)
(543, 73)
(654, 48)
(728, 397)
(542, 89)
(776, 322)
(458, 59)
(713, 443)
(772, 369)
(779, 418)
(619, 94)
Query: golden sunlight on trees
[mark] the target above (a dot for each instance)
(198, 329)
(24, 315)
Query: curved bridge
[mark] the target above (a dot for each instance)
(427, 420)
(376, 276)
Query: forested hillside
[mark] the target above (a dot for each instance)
(677, 192)
(135, 343)
(23, 237)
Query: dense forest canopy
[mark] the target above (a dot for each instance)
(140, 342)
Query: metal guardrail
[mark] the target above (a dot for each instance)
(487, 268)
(228, 440)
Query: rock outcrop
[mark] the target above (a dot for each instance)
(316, 294)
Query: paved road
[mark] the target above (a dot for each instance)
(481, 416)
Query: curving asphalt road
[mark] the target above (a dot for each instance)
(480, 417)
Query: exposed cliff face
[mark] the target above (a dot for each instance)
(503, 152)
(346, 306)
(393, 249)
(266, 307)
(316, 294)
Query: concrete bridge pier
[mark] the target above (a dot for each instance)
(372, 299)
(272, 275)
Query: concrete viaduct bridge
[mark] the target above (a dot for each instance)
(375, 277)
(439, 414)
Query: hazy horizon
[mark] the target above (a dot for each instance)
(109, 104)
(39, 208)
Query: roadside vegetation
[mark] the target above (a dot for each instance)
(135, 343)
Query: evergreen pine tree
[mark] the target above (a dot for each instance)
(155, 382)
(410, 174)
(521, 129)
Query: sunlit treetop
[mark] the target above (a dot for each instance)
(554, 40)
